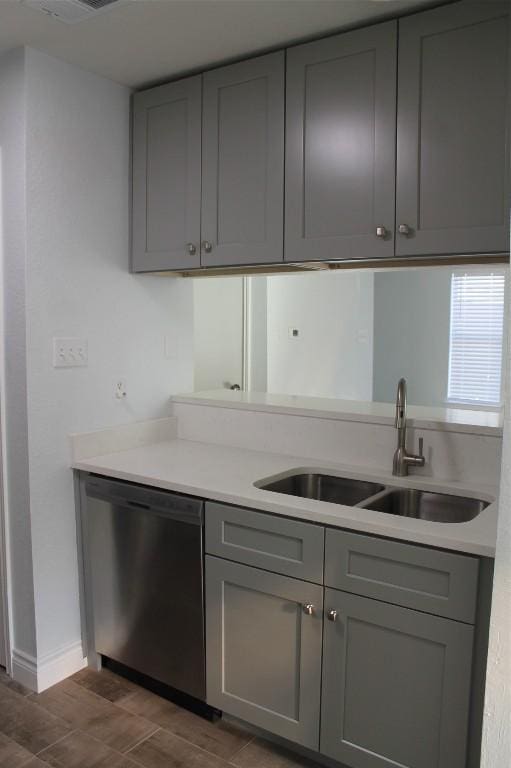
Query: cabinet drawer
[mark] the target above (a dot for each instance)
(276, 544)
(428, 580)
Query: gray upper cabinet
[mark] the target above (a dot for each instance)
(263, 648)
(452, 164)
(243, 163)
(396, 686)
(166, 177)
(211, 189)
(340, 146)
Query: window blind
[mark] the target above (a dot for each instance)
(476, 338)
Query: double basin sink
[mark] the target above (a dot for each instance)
(406, 502)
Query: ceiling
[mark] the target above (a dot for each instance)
(145, 41)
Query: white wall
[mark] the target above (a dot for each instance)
(411, 334)
(333, 354)
(496, 748)
(217, 332)
(13, 351)
(257, 334)
(77, 284)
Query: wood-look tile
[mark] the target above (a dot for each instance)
(28, 724)
(105, 684)
(150, 706)
(222, 738)
(166, 750)
(87, 712)
(8, 682)
(263, 754)
(12, 755)
(34, 762)
(80, 750)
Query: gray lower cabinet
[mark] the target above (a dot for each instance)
(271, 542)
(340, 146)
(243, 163)
(263, 649)
(429, 580)
(452, 152)
(166, 177)
(396, 686)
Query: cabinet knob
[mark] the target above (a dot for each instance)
(191, 248)
(309, 609)
(332, 615)
(404, 229)
(381, 232)
(206, 246)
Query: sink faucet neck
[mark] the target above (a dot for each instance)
(401, 405)
(402, 459)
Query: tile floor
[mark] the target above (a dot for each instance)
(100, 720)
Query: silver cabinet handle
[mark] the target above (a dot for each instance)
(332, 615)
(206, 246)
(191, 248)
(404, 229)
(381, 232)
(309, 609)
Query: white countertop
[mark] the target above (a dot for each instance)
(228, 475)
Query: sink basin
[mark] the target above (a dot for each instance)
(339, 490)
(424, 505)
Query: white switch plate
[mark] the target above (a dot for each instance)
(70, 353)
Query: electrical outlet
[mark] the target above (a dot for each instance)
(70, 353)
(120, 389)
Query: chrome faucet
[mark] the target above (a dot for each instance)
(402, 459)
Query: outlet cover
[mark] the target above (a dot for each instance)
(70, 353)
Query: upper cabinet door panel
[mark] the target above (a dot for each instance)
(243, 162)
(452, 162)
(340, 146)
(167, 177)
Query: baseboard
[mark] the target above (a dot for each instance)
(41, 673)
(24, 669)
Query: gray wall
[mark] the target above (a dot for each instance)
(411, 334)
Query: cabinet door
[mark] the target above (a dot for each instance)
(167, 177)
(396, 686)
(243, 163)
(452, 162)
(340, 146)
(263, 650)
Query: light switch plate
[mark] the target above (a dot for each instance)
(70, 353)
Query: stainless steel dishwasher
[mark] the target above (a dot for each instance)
(145, 548)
